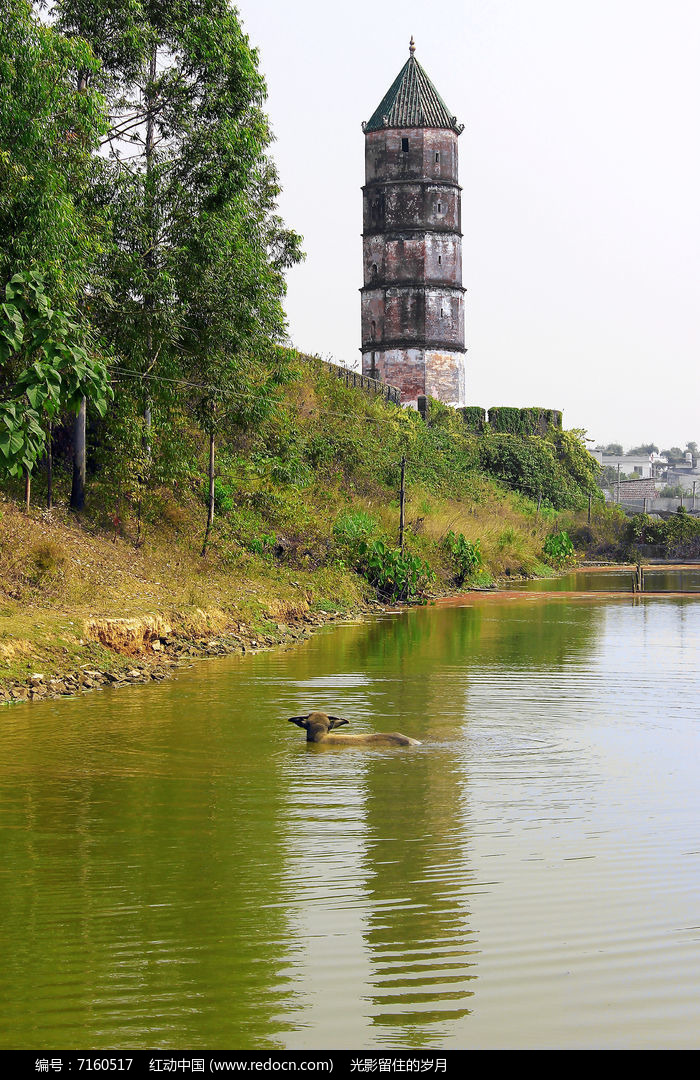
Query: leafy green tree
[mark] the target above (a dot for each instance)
(232, 280)
(48, 130)
(645, 448)
(55, 368)
(614, 449)
(610, 475)
(197, 264)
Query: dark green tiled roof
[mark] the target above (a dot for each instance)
(411, 102)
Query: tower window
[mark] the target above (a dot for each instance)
(404, 145)
(373, 331)
(437, 158)
(374, 270)
(440, 260)
(439, 208)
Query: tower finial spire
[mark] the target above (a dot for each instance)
(412, 46)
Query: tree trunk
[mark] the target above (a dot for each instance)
(49, 469)
(210, 515)
(77, 491)
(27, 489)
(149, 257)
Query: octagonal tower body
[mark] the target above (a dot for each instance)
(412, 297)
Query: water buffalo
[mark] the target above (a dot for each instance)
(318, 726)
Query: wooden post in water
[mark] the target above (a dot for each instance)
(639, 579)
(402, 502)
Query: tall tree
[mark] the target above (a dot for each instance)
(185, 102)
(644, 449)
(199, 252)
(57, 366)
(231, 278)
(50, 123)
(48, 131)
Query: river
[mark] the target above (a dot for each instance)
(181, 870)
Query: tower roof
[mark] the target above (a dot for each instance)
(412, 102)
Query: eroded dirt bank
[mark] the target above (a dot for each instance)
(122, 651)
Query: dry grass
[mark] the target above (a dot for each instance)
(510, 533)
(70, 584)
(70, 591)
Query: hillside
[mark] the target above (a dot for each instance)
(296, 494)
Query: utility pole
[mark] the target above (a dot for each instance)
(402, 498)
(77, 493)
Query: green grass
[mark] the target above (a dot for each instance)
(295, 497)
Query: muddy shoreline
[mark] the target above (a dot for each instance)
(158, 651)
(160, 656)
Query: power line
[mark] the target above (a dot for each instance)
(242, 395)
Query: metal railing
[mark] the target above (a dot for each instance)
(361, 382)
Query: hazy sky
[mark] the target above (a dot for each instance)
(580, 168)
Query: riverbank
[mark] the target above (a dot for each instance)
(85, 602)
(159, 655)
(50, 653)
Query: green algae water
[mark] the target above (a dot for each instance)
(180, 870)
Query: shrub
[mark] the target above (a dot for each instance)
(46, 562)
(466, 555)
(558, 548)
(263, 545)
(395, 575)
(224, 497)
(474, 417)
(352, 527)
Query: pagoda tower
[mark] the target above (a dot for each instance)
(412, 297)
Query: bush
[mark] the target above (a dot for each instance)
(558, 548)
(354, 526)
(395, 575)
(224, 494)
(46, 563)
(558, 468)
(466, 556)
(474, 417)
(263, 545)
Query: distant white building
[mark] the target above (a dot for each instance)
(643, 466)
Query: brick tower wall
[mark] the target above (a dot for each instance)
(412, 297)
